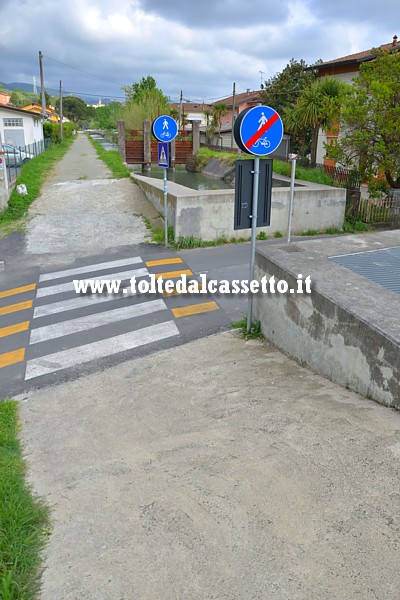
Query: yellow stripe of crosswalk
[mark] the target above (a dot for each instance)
(164, 261)
(5, 310)
(194, 309)
(10, 358)
(11, 329)
(18, 290)
(173, 274)
(176, 293)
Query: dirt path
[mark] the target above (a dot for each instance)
(82, 210)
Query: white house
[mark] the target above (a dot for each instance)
(19, 127)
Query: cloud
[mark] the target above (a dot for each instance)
(200, 49)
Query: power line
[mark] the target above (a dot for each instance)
(82, 70)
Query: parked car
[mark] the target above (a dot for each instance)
(14, 156)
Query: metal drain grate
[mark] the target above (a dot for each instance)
(380, 266)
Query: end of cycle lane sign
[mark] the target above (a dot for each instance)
(258, 130)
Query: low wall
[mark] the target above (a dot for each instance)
(347, 329)
(209, 214)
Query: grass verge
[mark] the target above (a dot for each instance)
(112, 159)
(33, 175)
(255, 332)
(314, 175)
(24, 518)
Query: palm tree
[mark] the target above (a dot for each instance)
(318, 106)
(219, 110)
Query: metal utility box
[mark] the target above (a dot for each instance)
(244, 193)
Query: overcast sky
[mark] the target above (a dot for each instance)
(199, 47)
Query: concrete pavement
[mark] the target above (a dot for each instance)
(218, 469)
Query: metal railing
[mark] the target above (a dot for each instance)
(19, 155)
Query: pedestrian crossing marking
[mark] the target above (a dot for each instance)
(164, 261)
(12, 329)
(194, 309)
(69, 285)
(89, 268)
(79, 355)
(176, 293)
(18, 290)
(11, 358)
(173, 274)
(63, 328)
(74, 303)
(90, 313)
(6, 310)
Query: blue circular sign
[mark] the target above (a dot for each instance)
(165, 128)
(258, 130)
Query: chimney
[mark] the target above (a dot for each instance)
(394, 40)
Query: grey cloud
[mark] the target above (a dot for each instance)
(218, 14)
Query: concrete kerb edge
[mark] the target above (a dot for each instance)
(310, 338)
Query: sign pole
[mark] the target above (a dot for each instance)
(165, 208)
(256, 174)
(293, 158)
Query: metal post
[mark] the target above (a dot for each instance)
(42, 95)
(233, 112)
(165, 208)
(61, 114)
(292, 158)
(254, 211)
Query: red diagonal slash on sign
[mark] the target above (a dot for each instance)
(260, 132)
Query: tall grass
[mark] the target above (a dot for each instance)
(23, 517)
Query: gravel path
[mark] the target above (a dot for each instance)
(82, 210)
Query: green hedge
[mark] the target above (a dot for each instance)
(52, 131)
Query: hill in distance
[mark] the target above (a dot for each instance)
(28, 87)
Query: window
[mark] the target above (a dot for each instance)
(13, 122)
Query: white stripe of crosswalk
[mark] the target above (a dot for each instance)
(56, 330)
(90, 268)
(82, 354)
(69, 285)
(76, 303)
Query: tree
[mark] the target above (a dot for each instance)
(106, 117)
(75, 109)
(144, 101)
(370, 120)
(282, 90)
(318, 106)
(219, 110)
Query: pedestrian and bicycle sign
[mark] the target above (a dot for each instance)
(165, 129)
(258, 130)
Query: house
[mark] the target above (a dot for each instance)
(35, 107)
(5, 98)
(192, 111)
(235, 105)
(345, 69)
(19, 127)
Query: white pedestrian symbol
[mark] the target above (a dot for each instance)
(165, 124)
(262, 120)
(163, 158)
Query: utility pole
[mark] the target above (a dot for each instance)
(233, 112)
(180, 110)
(261, 79)
(61, 114)
(43, 97)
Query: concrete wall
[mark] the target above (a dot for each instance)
(347, 329)
(210, 214)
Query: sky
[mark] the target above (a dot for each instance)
(97, 46)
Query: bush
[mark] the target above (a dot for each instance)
(52, 131)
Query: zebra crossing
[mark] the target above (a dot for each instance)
(46, 327)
